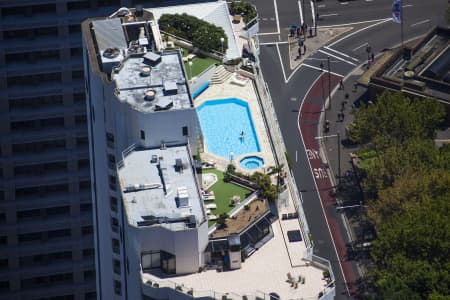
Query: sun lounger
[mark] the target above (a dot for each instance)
(211, 206)
(208, 197)
(212, 217)
(239, 80)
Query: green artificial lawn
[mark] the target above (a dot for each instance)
(198, 64)
(224, 191)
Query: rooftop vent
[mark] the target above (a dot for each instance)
(145, 71)
(152, 58)
(183, 196)
(149, 95)
(170, 88)
(111, 53)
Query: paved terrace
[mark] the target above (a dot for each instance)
(263, 272)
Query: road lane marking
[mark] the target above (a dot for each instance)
(369, 0)
(296, 156)
(344, 3)
(328, 15)
(317, 188)
(301, 11)
(358, 31)
(407, 5)
(318, 69)
(420, 23)
(359, 47)
(273, 43)
(354, 23)
(276, 15)
(321, 6)
(281, 62)
(268, 33)
(341, 53)
(337, 57)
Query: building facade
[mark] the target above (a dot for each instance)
(46, 219)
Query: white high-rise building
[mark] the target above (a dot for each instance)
(143, 129)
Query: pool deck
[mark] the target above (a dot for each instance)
(246, 93)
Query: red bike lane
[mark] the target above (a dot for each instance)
(310, 112)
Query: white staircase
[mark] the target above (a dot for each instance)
(220, 75)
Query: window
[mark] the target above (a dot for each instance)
(60, 233)
(78, 74)
(29, 237)
(87, 230)
(3, 264)
(88, 252)
(117, 287)
(110, 140)
(142, 135)
(116, 266)
(116, 246)
(114, 224)
(89, 274)
(86, 207)
(113, 203)
(3, 240)
(82, 141)
(185, 131)
(78, 5)
(28, 214)
(4, 285)
(74, 29)
(112, 182)
(151, 260)
(61, 211)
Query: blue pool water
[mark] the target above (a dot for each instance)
(222, 122)
(251, 162)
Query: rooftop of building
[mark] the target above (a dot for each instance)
(127, 52)
(153, 81)
(423, 67)
(214, 12)
(159, 187)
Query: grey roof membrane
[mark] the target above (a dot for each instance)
(168, 183)
(168, 72)
(109, 34)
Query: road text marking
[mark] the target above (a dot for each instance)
(312, 154)
(320, 173)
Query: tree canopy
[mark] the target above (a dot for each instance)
(201, 34)
(408, 184)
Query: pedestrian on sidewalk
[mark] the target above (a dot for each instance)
(298, 32)
(299, 52)
(372, 56)
(341, 85)
(304, 49)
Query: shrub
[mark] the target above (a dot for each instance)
(202, 34)
(243, 8)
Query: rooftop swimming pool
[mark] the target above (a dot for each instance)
(227, 127)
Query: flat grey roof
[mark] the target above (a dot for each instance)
(150, 190)
(132, 85)
(109, 34)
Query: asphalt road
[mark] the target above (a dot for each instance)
(289, 87)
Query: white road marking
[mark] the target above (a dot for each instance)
(312, 153)
(337, 57)
(268, 33)
(359, 47)
(354, 23)
(369, 0)
(273, 43)
(358, 31)
(301, 11)
(321, 6)
(341, 53)
(318, 69)
(329, 15)
(344, 3)
(296, 156)
(407, 5)
(420, 23)
(276, 15)
(317, 188)
(281, 62)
